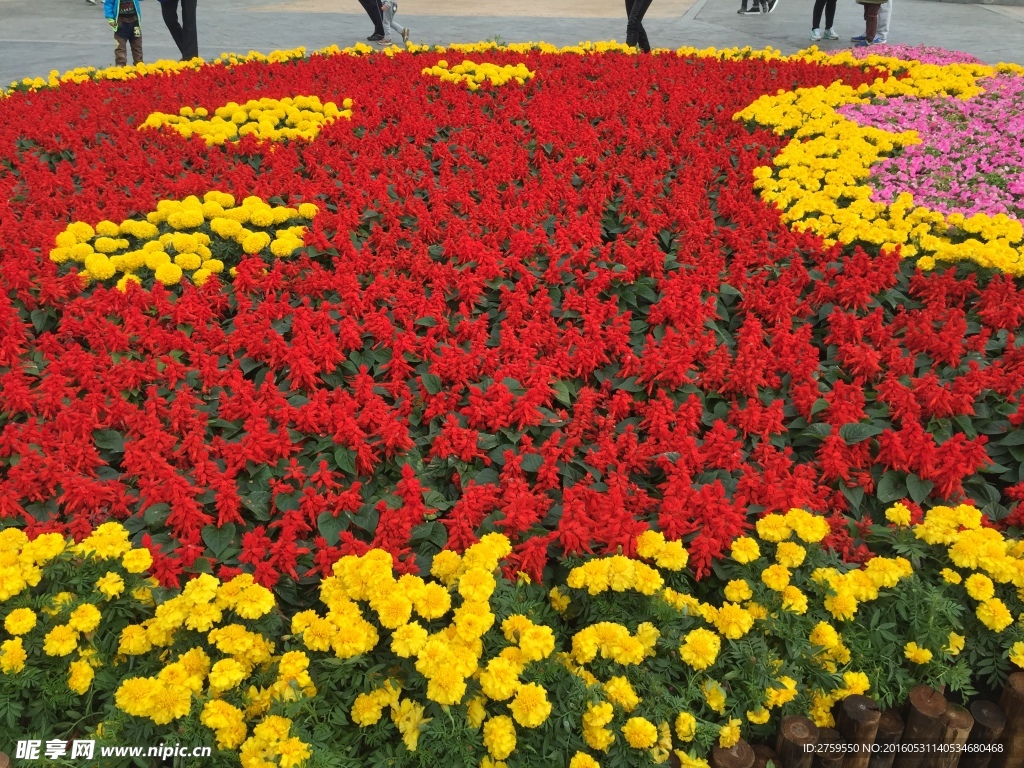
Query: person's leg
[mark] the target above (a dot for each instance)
(642, 41)
(189, 30)
(819, 6)
(373, 11)
(830, 13)
(884, 14)
(871, 21)
(169, 10)
(120, 55)
(636, 17)
(136, 43)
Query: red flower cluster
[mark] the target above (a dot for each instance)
(558, 311)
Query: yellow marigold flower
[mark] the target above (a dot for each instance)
(80, 676)
(254, 601)
(700, 648)
(408, 640)
(809, 528)
(537, 642)
(60, 641)
(476, 584)
(134, 641)
(714, 695)
(956, 644)
(649, 544)
(950, 576)
(785, 693)
(686, 726)
(729, 733)
(733, 621)
(308, 210)
(20, 621)
(898, 514)
(1017, 654)
(794, 600)
(745, 550)
(619, 691)
(673, 556)
(500, 737)
(917, 654)
(12, 656)
(790, 554)
(758, 716)
(994, 615)
(980, 587)
(530, 707)
(737, 591)
(500, 680)
(169, 702)
(583, 760)
(559, 600)
(855, 684)
(226, 674)
(773, 528)
(445, 566)
(446, 687)
(366, 710)
(842, 605)
(776, 577)
(111, 585)
(825, 636)
(168, 274)
(640, 733)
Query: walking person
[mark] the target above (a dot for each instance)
(817, 33)
(882, 35)
(184, 34)
(372, 8)
(388, 10)
(125, 18)
(871, 9)
(635, 32)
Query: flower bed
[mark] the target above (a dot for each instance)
(629, 660)
(554, 309)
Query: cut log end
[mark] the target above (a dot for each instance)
(927, 701)
(740, 755)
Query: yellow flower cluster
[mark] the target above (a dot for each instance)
(473, 74)
(820, 179)
(991, 557)
(161, 67)
(178, 239)
(302, 117)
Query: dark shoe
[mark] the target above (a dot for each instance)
(375, 37)
(741, 11)
(632, 36)
(772, 4)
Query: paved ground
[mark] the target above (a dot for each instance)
(42, 35)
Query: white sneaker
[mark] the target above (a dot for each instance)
(828, 34)
(815, 35)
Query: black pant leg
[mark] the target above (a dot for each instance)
(169, 10)
(372, 8)
(636, 13)
(189, 30)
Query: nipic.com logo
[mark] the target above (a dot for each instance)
(37, 749)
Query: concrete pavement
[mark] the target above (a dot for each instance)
(42, 35)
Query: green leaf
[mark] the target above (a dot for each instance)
(891, 488)
(1013, 438)
(817, 430)
(346, 460)
(431, 383)
(562, 393)
(532, 462)
(426, 322)
(219, 539)
(109, 440)
(330, 526)
(855, 433)
(919, 489)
